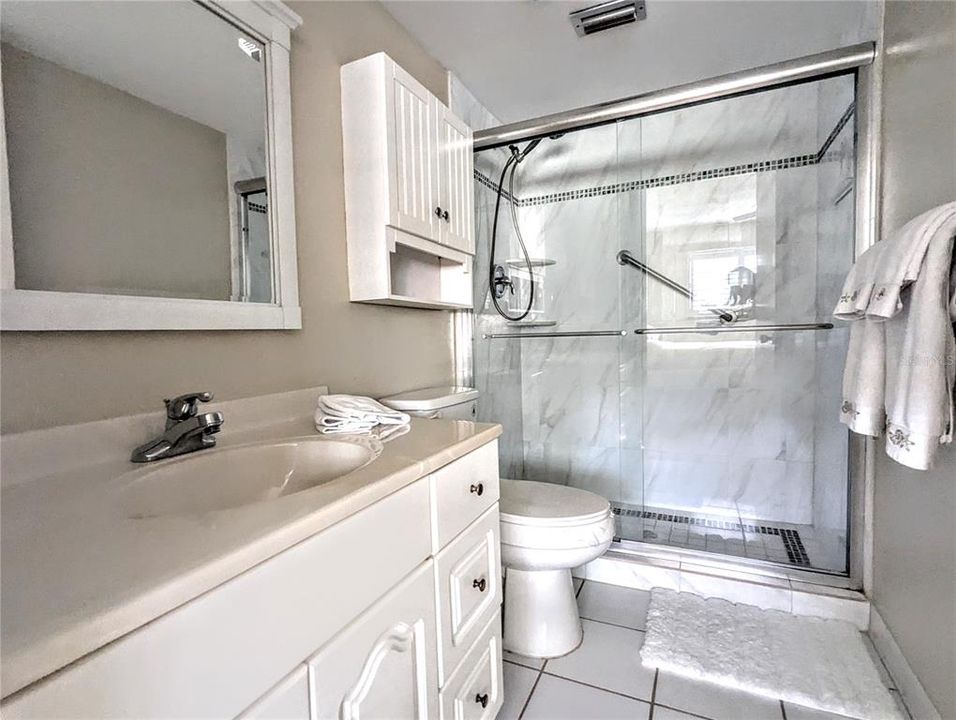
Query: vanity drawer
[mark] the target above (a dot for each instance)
(468, 585)
(475, 691)
(462, 491)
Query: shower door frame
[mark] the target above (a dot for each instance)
(864, 63)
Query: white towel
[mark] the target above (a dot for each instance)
(901, 363)
(354, 414)
(356, 407)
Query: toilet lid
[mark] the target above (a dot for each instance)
(524, 502)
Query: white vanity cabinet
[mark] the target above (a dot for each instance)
(409, 190)
(393, 612)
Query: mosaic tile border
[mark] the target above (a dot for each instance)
(792, 543)
(786, 163)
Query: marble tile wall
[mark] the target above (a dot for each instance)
(725, 424)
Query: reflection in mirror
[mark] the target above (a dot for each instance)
(136, 140)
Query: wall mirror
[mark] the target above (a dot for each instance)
(148, 168)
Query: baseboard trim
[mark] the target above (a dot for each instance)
(914, 695)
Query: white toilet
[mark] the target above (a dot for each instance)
(546, 530)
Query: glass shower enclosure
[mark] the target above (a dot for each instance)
(695, 379)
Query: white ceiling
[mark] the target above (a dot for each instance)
(522, 58)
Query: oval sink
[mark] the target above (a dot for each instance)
(227, 478)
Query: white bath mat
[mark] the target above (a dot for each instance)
(821, 664)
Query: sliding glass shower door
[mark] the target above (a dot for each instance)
(696, 386)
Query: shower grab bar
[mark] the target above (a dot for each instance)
(690, 329)
(580, 333)
(732, 328)
(624, 257)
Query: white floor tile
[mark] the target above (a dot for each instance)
(663, 713)
(798, 712)
(518, 682)
(713, 701)
(557, 699)
(614, 604)
(534, 663)
(608, 658)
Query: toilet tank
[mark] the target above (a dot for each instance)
(444, 401)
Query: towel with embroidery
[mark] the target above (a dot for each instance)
(901, 364)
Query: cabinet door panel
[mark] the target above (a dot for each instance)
(475, 691)
(415, 159)
(456, 181)
(468, 583)
(384, 665)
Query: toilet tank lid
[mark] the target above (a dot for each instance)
(431, 398)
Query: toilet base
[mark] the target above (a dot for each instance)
(541, 613)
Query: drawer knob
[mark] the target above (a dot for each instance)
(438, 211)
(445, 216)
(482, 699)
(477, 489)
(480, 584)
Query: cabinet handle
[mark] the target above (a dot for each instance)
(445, 216)
(477, 489)
(438, 211)
(480, 584)
(482, 699)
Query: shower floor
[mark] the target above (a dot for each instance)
(802, 546)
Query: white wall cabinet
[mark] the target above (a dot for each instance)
(383, 615)
(409, 190)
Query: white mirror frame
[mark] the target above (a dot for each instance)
(270, 22)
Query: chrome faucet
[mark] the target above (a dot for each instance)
(187, 430)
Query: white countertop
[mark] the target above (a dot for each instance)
(77, 573)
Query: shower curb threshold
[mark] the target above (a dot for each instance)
(643, 572)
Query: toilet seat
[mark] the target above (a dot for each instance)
(525, 502)
(545, 516)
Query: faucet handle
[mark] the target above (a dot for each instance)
(185, 406)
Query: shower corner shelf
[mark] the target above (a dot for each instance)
(520, 264)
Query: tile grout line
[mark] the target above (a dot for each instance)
(783, 710)
(650, 713)
(617, 625)
(597, 687)
(534, 687)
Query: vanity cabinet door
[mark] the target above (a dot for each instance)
(384, 665)
(456, 185)
(413, 156)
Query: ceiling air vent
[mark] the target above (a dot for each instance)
(607, 15)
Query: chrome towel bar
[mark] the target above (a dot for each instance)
(706, 330)
(733, 328)
(582, 333)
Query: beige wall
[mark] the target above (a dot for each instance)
(57, 378)
(136, 194)
(914, 523)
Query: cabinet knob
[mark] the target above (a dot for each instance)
(482, 699)
(477, 489)
(480, 584)
(445, 216)
(438, 211)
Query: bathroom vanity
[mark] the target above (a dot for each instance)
(373, 594)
